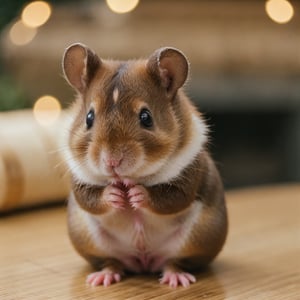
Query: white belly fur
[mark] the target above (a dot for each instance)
(142, 240)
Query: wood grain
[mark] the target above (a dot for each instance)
(260, 260)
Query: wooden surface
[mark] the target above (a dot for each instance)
(261, 259)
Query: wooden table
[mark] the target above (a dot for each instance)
(261, 259)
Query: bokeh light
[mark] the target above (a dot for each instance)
(122, 6)
(46, 110)
(20, 34)
(280, 11)
(36, 13)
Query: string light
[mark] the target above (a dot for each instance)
(20, 34)
(46, 110)
(36, 13)
(280, 11)
(122, 6)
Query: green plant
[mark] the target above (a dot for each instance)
(11, 96)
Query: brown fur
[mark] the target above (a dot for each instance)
(118, 132)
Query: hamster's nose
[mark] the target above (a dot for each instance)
(112, 162)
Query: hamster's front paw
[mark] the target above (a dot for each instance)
(138, 196)
(115, 196)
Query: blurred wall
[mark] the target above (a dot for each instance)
(245, 71)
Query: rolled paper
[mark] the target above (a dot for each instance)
(32, 169)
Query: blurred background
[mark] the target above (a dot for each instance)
(245, 67)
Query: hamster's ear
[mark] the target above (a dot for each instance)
(171, 68)
(80, 65)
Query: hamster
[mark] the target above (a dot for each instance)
(146, 195)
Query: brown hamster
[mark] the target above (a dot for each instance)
(146, 195)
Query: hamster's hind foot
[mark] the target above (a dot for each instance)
(176, 278)
(105, 277)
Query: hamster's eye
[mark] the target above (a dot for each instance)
(146, 118)
(90, 119)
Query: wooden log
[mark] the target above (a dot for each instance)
(32, 170)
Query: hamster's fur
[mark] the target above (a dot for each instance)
(146, 195)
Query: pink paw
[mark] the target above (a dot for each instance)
(138, 196)
(115, 197)
(103, 277)
(175, 279)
